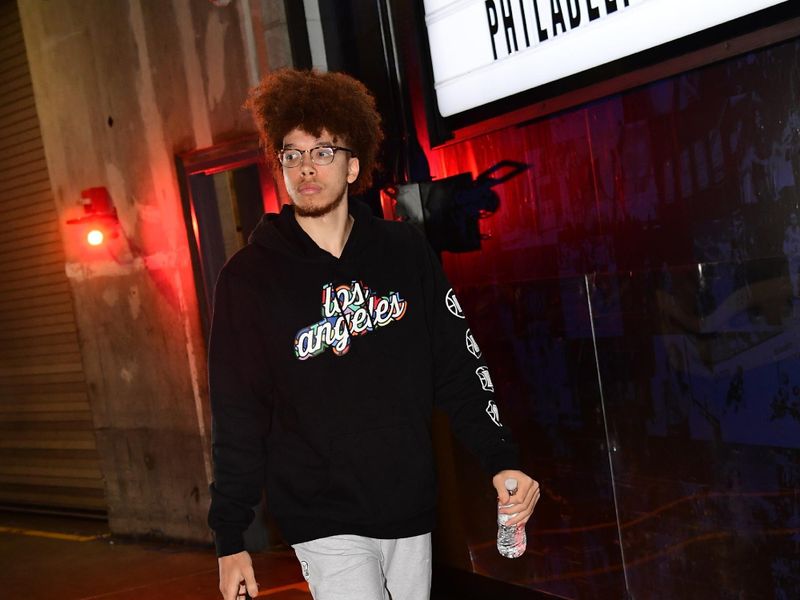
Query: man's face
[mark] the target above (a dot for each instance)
(316, 190)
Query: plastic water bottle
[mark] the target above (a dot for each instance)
(511, 541)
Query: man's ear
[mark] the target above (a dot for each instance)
(353, 168)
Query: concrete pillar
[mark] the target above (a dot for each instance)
(121, 87)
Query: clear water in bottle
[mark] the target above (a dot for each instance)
(511, 541)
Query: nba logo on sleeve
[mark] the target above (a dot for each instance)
(494, 413)
(452, 304)
(472, 345)
(485, 379)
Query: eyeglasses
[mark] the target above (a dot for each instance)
(320, 155)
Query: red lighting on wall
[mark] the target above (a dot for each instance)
(100, 218)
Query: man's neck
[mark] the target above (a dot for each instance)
(330, 231)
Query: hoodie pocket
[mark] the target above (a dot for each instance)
(383, 475)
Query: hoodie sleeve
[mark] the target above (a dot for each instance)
(238, 388)
(463, 385)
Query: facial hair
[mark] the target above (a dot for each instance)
(319, 211)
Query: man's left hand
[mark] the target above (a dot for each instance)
(522, 503)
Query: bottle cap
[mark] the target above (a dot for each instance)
(511, 485)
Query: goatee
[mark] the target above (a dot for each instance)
(318, 211)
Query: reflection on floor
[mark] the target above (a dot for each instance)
(50, 557)
(77, 559)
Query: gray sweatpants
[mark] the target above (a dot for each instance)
(352, 567)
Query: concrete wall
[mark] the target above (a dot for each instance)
(121, 87)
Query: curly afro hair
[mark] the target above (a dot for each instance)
(312, 101)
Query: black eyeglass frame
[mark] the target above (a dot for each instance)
(310, 150)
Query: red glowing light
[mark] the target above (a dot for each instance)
(95, 237)
(100, 217)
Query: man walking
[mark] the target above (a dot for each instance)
(334, 334)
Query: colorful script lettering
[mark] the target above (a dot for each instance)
(347, 311)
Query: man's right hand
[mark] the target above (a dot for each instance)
(233, 569)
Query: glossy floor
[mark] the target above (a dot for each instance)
(47, 557)
(75, 559)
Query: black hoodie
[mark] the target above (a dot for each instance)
(323, 373)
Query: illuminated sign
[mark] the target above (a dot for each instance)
(486, 50)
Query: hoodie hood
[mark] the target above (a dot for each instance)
(281, 232)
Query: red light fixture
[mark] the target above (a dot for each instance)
(100, 218)
(95, 237)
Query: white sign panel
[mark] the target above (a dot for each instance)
(485, 50)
